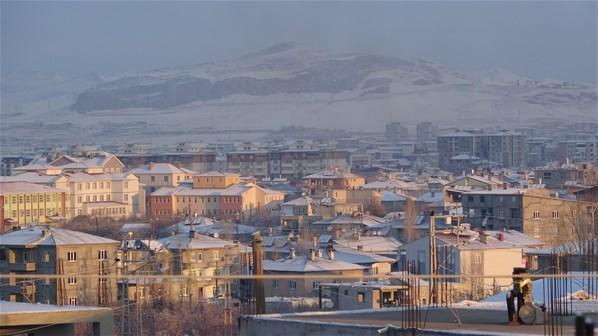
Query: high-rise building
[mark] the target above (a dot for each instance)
(505, 148)
(426, 131)
(395, 132)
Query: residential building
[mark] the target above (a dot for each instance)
(327, 181)
(99, 195)
(196, 161)
(313, 265)
(8, 163)
(549, 219)
(22, 204)
(578, 150)
(506, 149)
(461, 251)
(78, 257)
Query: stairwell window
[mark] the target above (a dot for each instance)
(536, 214)
(102, 255)
(71, 256)
(72, 279)
(555, 214)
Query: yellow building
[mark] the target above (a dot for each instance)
(215, 180)
(24, 203)
(102, 195)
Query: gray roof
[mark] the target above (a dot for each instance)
(7, 307)
(195, 242)
(302, 264)
(50, 236)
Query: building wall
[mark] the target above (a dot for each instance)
(25, 208)
(305, 287)
(215, 181)
(54, 260)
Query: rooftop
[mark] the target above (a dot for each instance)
(25, 187)
(46, 235)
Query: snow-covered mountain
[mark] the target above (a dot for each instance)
(288, 84)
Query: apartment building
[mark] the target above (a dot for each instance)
(154, 176)
(8, 163)
(219, 195)
(426, 131)
(101, 195)
(293, 163)
(105, 163)
(329, 180)
(578, 150)
(199, 258)
(77, 256)
(313, 264)
(506, 149)
(549, 219)
(394, 132)
(196, 161)
(461, 251)
(22, 204)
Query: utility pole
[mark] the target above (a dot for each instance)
(433, 260)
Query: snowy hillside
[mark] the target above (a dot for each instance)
(283, 85)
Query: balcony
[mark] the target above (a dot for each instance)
(22, 267)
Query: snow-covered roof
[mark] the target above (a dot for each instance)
(303, 264)
(374, 244)
(21, 187)
(194, 242)
(331, 174)
(31, 177)
(161, 168)
(50, 236)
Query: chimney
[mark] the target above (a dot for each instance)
(258, 269)
(319, 253)
(314, 241)
(150, 166)
(501, 236)
(484, 237)
(360, 247)
(292, 253)
(312, 254)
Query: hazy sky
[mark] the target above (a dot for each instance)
(539, 39)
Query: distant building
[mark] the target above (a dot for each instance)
(47, 250)
(426, 131)
(578, 150)
(8, 163)
(506, 149)
(395, 132)
(330, 180)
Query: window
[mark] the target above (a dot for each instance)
(153, 178)
(78, 186)
(275, 284)
(126, 184)
(79, 199)
(87, 186)
(198, 256)
(166, 178)
(482, 199)
(501, 213)
(46, 256)
(292, 285)
(95, 185)
(126, 197)
(107, 184)
(87, 198)
(536, 214)
(102, 255)
(72, 279)
(360, 297)
(71, 256)
(215, 255)
(73, 301)
(315, 284)
(101, 185)
(555, 214)
(185, 291)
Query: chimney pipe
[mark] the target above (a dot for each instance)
(320, 253)
(312, 254)
(258, 269)
(314, 241)
(292, 253)
(331, 252)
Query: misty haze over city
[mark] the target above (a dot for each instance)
(298, 168)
